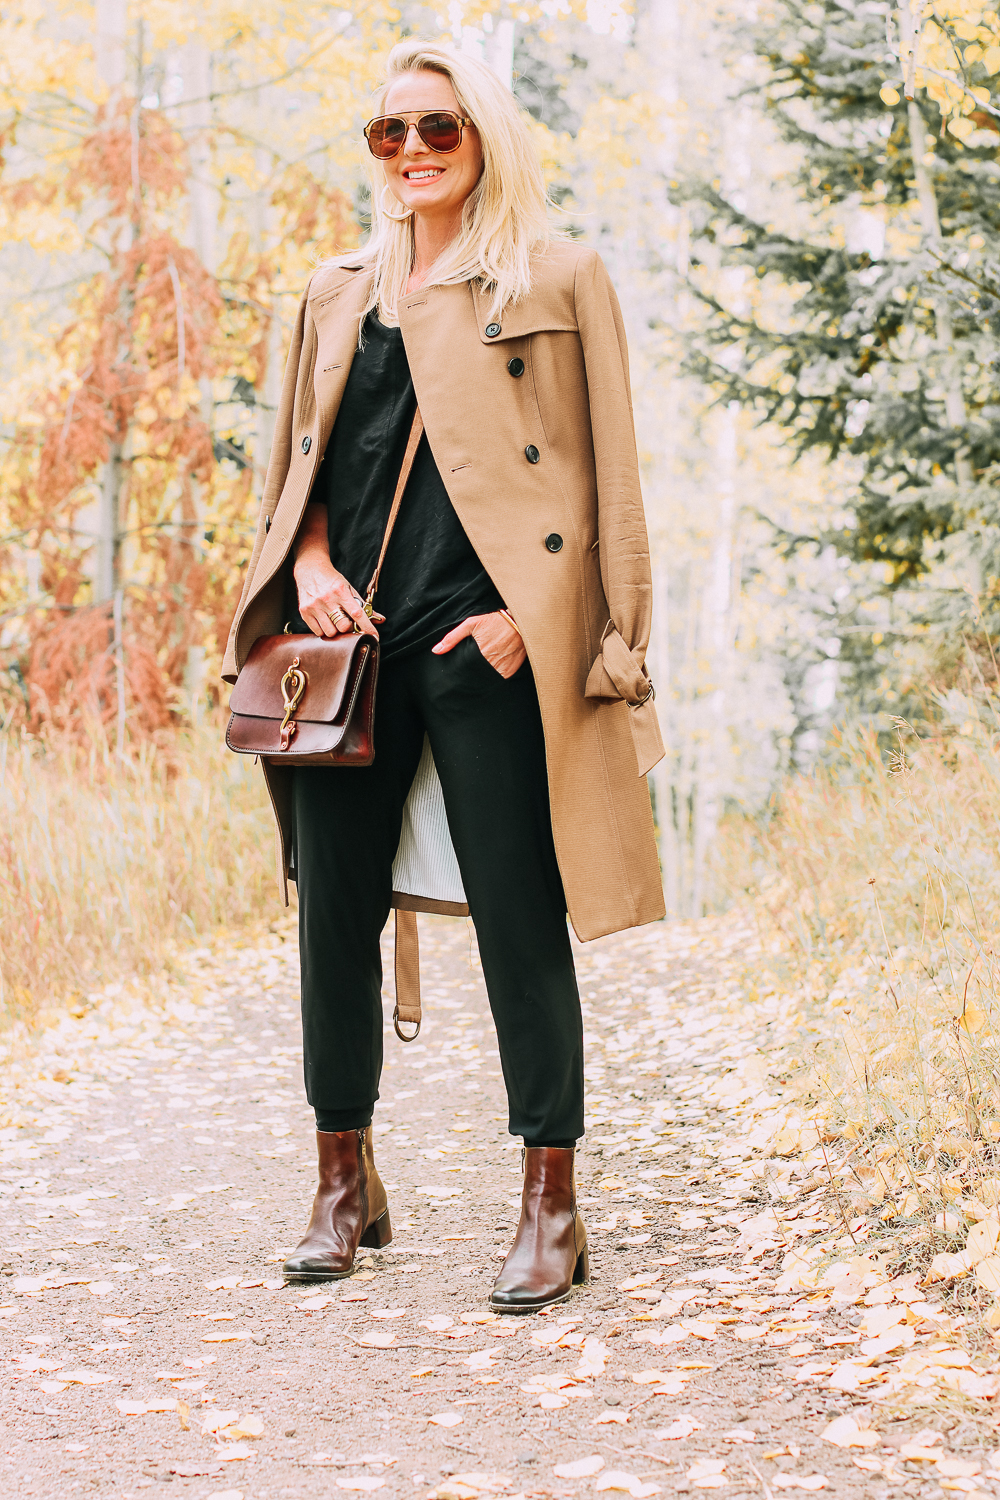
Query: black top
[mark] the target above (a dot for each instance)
(431, 579)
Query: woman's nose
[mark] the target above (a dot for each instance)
(413, 142)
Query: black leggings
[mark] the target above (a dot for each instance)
(486, 736)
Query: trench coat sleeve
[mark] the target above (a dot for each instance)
(618, 671)
(277, 471)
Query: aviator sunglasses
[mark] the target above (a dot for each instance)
(440, 131)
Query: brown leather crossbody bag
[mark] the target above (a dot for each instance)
(304, 700)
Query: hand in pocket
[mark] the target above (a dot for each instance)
(499, 641)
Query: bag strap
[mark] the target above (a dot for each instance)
(412, 442)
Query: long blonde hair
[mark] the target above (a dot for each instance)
(504, 216)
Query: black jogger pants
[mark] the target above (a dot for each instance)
(486, 736)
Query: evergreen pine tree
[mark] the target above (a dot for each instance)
(889, 345)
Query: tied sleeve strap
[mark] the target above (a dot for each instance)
(618, 674)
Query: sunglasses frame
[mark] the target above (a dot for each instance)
(462, 121)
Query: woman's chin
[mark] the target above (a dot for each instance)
(425, 200)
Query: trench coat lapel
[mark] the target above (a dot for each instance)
(336, 312)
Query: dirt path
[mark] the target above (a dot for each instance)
(160, 1162)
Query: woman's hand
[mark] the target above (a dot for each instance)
(327, 602)
(497, 638)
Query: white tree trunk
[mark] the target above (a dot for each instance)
(498, 48)
(716, 634)
(195, 121)
(110, 55)
(930, 223)
(266, 410)
(109, 43)
(108, 527)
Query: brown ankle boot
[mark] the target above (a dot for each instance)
(549, 1253)
(349, 1209)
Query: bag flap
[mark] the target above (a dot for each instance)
(329, 667)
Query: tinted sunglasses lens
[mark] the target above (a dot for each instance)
(385, 137)
(440, 132)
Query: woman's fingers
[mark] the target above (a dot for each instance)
(500, 642)
(336, 614)
(355, 610)
(328, 603)
(318, 620)
(450, 641)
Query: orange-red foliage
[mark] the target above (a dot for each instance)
(131, 154)
(72, 675)
(145, 334)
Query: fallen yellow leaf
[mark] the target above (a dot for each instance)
(845, 1432)
(580, 1468)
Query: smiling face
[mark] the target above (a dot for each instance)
(433, 186)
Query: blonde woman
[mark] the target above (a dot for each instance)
(513, 615)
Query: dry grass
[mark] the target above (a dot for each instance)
(106, 866)
(878, 890)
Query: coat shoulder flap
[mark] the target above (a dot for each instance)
(550, 306)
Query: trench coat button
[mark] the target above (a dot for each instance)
(531, 453)
(515, 367)
(267, 524)
(307, 443)
(492, 329)
(554, 541)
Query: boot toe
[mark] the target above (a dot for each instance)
(515, 1298)
(315, 1268)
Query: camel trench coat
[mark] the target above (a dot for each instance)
(541, 468)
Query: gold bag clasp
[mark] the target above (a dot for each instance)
(293, 685)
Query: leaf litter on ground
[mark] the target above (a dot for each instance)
(786, 1270)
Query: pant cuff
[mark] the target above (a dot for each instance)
(335, 1120)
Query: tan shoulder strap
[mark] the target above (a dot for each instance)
(412, 443)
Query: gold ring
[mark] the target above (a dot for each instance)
(339, 614)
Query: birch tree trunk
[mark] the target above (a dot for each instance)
(930, 224)
(110, 56)
(109, 43)
(498, 49)
(716, 636)
(656, 31)
(195, 118)
(266, 397)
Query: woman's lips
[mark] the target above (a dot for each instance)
(423, 174)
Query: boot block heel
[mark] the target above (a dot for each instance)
(582, 1271)
(378, 1233)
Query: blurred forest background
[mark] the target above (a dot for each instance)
(799, 204)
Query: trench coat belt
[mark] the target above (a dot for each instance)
(407, 967)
